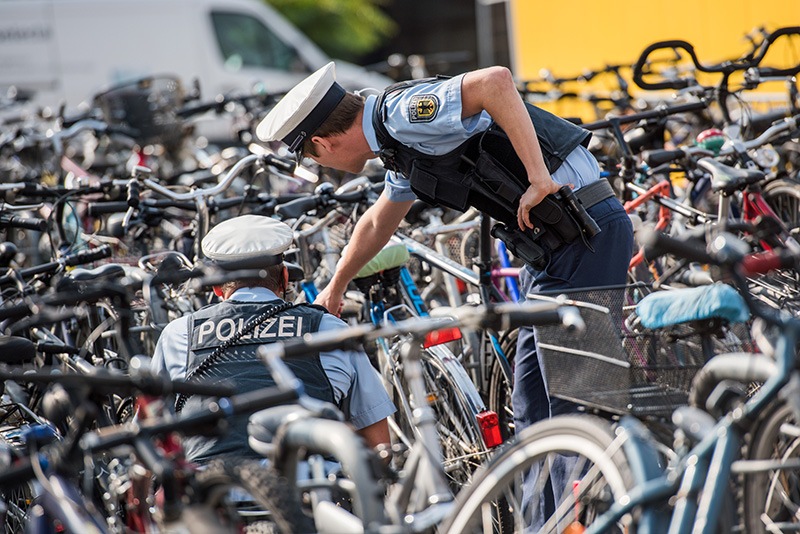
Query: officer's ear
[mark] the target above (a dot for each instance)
(217, 291)
(285, 277)
(322, 143)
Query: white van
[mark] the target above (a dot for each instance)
(68, 50)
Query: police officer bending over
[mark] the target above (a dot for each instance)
(469, 141)
(220, 340)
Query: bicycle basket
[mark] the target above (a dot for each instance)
(147, 106)
(619, 367)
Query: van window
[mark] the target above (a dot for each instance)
(244, 41)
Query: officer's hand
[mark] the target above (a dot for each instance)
(530, 198)
(330, 300)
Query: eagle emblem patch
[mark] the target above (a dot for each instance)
(423, 108)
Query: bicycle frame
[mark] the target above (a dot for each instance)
(484, 280)
(707, 467)
(661, 189)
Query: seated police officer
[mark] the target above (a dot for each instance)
(220, 341)
(467, 141)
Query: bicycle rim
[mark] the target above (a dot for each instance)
(459, 434)
(783, 196)
(771, 499)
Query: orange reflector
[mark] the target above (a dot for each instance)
(490, 428)
(437, 337)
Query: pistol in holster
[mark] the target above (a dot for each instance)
(560, 219)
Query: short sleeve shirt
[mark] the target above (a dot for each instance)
(427, 118)
(350, 372)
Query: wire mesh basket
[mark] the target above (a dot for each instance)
(619, 366)
(147, 106)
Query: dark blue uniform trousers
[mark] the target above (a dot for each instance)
(572, 266)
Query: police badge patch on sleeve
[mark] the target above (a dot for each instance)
(423, 108)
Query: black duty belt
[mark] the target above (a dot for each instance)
(594, 193)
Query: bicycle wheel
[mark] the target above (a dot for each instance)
(771, 498)
(596, 475)
(250, 495)
(455, 403)
(783, 196)
(500, 388)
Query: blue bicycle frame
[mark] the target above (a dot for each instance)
(706, 468)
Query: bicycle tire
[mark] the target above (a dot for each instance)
(268, 490)
(17, 501)
(772, 495)
(459, 432)
(783, 196)
(494, 491)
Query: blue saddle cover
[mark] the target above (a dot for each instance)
(667, 308)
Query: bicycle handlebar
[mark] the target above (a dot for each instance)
(323, 199)
(499, 317)
(764, 47)
(658, 113)
(26, 223)
(266, 159)
(638, 67)
(101, 380)
(657, 244)
(80, 258)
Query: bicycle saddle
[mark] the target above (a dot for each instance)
(727, 179)
(109, 271)
(389, 257)
(668, 308)
(16, 350)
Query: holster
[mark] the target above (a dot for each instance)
(521, 245)
(496, 190)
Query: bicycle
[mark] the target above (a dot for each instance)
(623, 481)
(421, 496)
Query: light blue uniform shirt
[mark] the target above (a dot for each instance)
(446, 131)
(349, 372)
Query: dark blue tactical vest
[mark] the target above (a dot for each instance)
(211, 326)
(484, 171)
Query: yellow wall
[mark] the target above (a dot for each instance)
(569, 36)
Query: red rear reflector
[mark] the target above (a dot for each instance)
(461, 286)
(490, 428)
(437, 337)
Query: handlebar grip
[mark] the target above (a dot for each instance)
(283, 164)
(296, 208)
(103, 251)
(657, 244)
(188, 111)
(516, 319)
(661, 45)
(654, 158)
(102, 208)
(55, 348)
(352, 197)
(26, 223)
(133, 194)
(770, 71)
(764, 262)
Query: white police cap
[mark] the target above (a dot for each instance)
(247, 242)
(298, 114)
